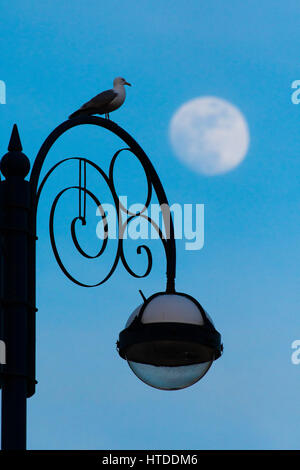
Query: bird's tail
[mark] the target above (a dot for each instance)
(83, 112)
(76, 114)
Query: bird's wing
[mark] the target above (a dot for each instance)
(100, 100)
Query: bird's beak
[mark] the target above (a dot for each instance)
(126, 83)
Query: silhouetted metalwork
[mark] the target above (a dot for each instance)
(18, 213)
(153, 182)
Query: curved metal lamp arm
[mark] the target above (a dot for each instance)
(152, 180)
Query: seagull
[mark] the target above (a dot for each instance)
(105, 102)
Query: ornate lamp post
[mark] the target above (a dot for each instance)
(169, 341)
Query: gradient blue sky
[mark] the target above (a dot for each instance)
(55, 56)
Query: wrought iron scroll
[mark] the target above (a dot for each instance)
(153, 183)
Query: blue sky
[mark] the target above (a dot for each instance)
(57, 55)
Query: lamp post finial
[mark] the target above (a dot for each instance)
(15, 162)
(15, 141)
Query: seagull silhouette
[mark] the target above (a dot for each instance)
(105, 102)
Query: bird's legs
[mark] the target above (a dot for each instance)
(106, 115)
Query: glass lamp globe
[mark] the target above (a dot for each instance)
(169, 341)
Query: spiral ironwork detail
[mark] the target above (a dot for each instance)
(124, 215)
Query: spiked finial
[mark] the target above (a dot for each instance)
(15, 163)
(15, 141)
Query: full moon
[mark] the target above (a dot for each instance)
(210, 135)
